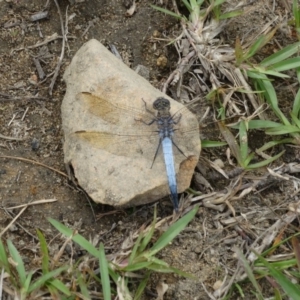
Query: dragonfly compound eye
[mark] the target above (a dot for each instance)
(161, 104)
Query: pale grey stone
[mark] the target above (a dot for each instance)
(123, 176)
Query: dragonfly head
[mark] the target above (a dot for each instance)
(162, 105)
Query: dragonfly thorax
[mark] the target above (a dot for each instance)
(165, 126)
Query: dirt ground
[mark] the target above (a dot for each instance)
(29, 112)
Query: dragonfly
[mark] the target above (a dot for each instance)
(146, 130)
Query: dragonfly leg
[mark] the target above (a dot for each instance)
(178, 149)
(150, 123)
(155, 155)
(177, 120)
(147, 109)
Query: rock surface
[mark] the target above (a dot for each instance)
(115, 168)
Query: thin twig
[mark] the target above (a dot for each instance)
(10, 138)
(62, 50)
(39, 68)
(24, 207)
(45, 42)
(22, 227)
(250, 95)
(32, 203)
(177, 73)
(13, 221)
(60, 252)
(34, 162)
(11, 98)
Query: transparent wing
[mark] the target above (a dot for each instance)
(134, 145)
(137, 138)
(113, 112)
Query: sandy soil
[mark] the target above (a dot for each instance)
(28, 110)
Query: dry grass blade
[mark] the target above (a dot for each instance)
(269, 235)
(215, 59)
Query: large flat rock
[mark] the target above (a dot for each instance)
(107, 143)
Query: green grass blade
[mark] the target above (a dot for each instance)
(27, 282)
(283, 129)
(298, 74)
(292, 290)
(248, 159)
(258, 71)
(41, 281)
(212, 144)
(287, 64)
(149, 235)
(279, 265)
(44, 252)
(83, 288)
(115, 277)
(104, 274)
(80, 240)
(58, 285)
(231, 14)
(295, 120)
(134, 251)
(142, 286)
(259, 43)
(238, 52)
(172, 232)
(18, 260)
(217, 2)
(164, 269)
(166, 11)
(272, 144)
(271, 97)
(137, 266)
(264, 162)
(254, 74)
(187, 5)
(262, 124)
(281, 55)
(54, 292)
(296, 13)
(158, 261)
(249, 272)
(275, 73)
(296, 104)
(3, 258)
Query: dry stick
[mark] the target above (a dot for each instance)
(60, 252)
(67, 30)
(251, 97)
(47, 40)
(62, 50)
(175, 7)
(13, 220)
(178, 71)
(28, 232)
(39, 68)
(34, 162)
(32, 203)
(10, 138)
(11, 98)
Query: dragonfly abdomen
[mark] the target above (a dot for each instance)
(167, 146)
